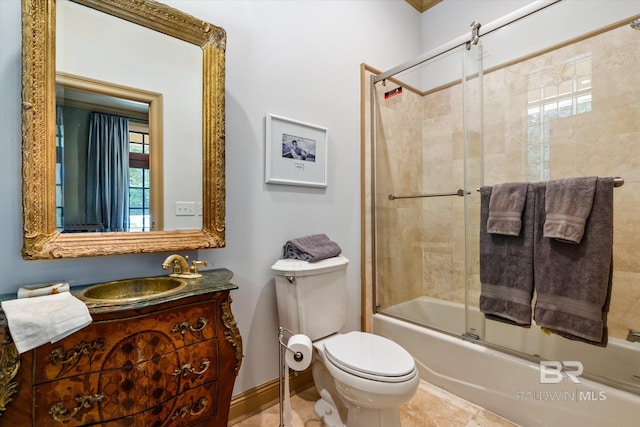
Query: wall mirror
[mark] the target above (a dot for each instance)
(68, 53)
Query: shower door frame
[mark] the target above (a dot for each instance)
(369, 304)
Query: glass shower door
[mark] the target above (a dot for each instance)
(426, 168)
(474, 179)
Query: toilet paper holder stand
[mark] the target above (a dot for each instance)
(297, 356)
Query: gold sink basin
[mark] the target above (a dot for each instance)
(132, 289)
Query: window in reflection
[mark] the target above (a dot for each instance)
(139, 178)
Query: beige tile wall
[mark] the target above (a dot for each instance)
(399, 168)
(420, 139)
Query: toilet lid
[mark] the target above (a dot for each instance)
(370, 356)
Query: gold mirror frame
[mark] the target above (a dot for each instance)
(41, 240)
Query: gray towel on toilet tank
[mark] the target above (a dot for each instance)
(573, 281)
(567, 206)
(505, 208)
(506, 267)
(311, 248)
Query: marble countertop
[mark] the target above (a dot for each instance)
(214, 280)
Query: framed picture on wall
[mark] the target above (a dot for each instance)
(295, 152)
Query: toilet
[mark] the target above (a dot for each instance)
(362, 378)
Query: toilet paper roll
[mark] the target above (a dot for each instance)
(302, 344)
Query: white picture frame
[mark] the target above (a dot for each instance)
(295, 152)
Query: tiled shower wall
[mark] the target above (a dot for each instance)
(573, 111)
(399, 170)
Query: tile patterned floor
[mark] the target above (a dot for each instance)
(430, 407)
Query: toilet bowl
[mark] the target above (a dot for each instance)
(363, 379)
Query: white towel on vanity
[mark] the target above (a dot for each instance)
(38, 320)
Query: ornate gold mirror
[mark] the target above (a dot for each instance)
(43, 235)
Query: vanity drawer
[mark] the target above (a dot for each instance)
(138, 338)
(121, 391)
(196, 405)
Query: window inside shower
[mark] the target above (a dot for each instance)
(555, 92)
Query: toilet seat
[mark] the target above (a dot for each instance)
(370, 356)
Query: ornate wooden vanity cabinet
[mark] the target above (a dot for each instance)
(172, 362)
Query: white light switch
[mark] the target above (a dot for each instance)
(185, 208)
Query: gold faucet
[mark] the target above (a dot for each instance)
(180, 267)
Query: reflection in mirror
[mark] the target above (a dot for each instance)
(80, 103)
(159, 50)
(104, 48)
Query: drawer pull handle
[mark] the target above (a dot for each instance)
(192, 410)
(61, 356)
(189, 370)
(58, 411)
(186, 326)
(70, 357)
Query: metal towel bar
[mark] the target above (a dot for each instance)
(460, 193)
(617, 182)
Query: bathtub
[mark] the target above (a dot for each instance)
(511, 386)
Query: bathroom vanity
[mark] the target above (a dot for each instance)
(170, 360)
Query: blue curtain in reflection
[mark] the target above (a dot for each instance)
(108, 172)
(59, 167)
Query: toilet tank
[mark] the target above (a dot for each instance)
(312, 296)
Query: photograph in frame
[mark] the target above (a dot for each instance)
(295, 152)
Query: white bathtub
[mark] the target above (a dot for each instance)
(511, 386)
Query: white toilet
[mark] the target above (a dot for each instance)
(362, 378)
